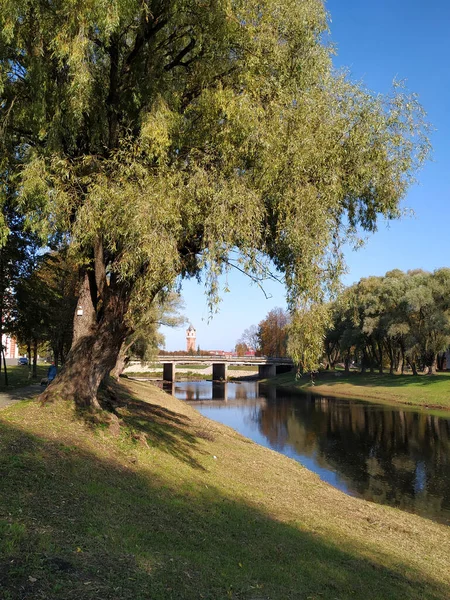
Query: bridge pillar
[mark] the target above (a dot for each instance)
(169, 387)
(168, 371)
(266, 371)
(219, 371)
(219, 390)
(284, 369)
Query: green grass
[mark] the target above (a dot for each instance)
(192, 366)
(168, 505)
(145, 374)
(179, 375)
(192, 376)
(19, 376)
(428, 391)
(243, 368)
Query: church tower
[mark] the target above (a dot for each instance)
(191, 336)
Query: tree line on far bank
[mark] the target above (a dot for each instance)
(392, 322)
(386, 324)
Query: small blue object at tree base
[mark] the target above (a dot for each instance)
(51, 373)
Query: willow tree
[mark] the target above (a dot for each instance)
(160, 137)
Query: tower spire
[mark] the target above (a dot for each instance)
(191, 336)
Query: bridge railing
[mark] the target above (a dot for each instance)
(245, 360)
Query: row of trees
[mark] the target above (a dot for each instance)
(392, 321)
(38, 291)
(389, 323)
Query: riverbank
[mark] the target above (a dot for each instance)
(426, 391)
(170, 505)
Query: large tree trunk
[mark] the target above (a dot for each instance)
(391, 355)
(364, 361)
(412, 364)
(347, 364)
(99, 332)
(432, 365)
(121, 362)
(89, 362)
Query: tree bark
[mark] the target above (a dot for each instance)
(403, 356)
(364, 361)
(30, 373)
(347, 364)
(432, 367)
(35, 346)
(412, 364)
(392, 356)
(121, 362)
(4, 366)
(55, 356)
(380, 357)
(99, 332)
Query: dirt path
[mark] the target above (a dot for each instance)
(16, 395)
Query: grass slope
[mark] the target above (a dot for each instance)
(169, 505)
(20, 376)
(428, 391)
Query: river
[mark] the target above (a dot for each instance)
(385, 454)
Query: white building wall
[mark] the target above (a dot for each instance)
(11, 347)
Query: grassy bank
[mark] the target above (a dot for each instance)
(20, 376)
(427, 391)
(169, 505)
(158, 375)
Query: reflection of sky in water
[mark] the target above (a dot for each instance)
(388, 455)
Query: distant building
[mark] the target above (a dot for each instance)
(11, 346)
(223, 353)
(191, 338)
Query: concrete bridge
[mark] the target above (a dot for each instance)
(267, 366)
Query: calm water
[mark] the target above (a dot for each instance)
(387, 455)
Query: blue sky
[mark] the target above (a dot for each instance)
(377, 42)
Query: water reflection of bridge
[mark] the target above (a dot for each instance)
(268, 366)
(217, 391)
(207, 391)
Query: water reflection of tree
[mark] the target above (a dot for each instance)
(240, 392)
(391, 456)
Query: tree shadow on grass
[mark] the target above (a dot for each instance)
(74, 527)
(154, 425)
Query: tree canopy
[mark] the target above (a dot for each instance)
(394, 320)
(273, 333)
(160, 136)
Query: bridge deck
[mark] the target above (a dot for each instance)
(233, 360)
